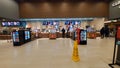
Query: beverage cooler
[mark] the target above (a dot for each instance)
(15, 36)
(20, 37)
(27, 36)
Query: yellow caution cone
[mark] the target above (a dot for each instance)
(75, 55)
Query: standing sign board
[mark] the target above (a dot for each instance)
(118, 43)
(118, 32)
(116, 58)
(83, 37)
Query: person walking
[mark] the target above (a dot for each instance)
(63, 32)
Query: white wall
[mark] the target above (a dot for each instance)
(97, 23)
(9, 9)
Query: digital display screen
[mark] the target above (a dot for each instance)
(23, 23)
(77, 22)
(8, 24)
(4, 24)
(26, 35)
(83, 35)
(50, 22)
(45, 23)
(56, 23)
(16, 23)
(16, 36)
(67, 23)
(72, 22)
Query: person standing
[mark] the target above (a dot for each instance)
(107, 31)
(63, 32)
(102, 32)
(67, 34)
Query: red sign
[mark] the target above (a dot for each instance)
(118, 33)
(78, 35)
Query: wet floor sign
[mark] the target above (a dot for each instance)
(75, 55)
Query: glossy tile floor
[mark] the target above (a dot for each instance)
(45, 53)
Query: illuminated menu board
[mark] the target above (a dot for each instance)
(8, 24)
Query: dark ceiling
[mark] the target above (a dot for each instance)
(21, 1)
